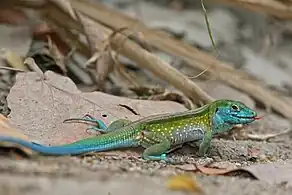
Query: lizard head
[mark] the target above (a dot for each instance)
(233, 112)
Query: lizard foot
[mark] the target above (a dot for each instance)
(94, 130)
(98, 125)
(162, 158)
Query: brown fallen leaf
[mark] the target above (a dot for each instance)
(39, 107)
(99, 44)
(184, 183)
(7, 130)
(15, 60)
(204, 169)
(43, 31)
(272, 173)
(213, 171)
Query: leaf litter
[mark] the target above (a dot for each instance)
(39, 107)
(272, 173)
(7, 130)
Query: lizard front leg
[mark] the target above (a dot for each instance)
(205, 143)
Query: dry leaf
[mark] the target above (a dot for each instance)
(184, 183)
(59, 58)
(7, 130)
(15, 61)
(195, 58)
(44, 31)
(98, 43)
(273, 173)
(39, 109)
(213, 171)
(204, 169)
(275, 8)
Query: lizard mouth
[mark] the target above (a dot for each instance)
(248, 117)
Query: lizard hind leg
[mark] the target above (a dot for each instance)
(194, 144)
(99, 125)
(114, 126)
(158, 150)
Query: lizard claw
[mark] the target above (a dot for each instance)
(94, 130)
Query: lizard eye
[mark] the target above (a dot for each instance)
(235, 107)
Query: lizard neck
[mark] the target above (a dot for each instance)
(219, 126)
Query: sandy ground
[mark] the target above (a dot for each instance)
(117, 174)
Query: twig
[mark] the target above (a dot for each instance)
(265, 137)
(211, 38)
(145, 59)
(195, 58)
(31, 63)
(209, 28)
(160, 68)
(13, 69)
(276, 8)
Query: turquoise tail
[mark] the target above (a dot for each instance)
(94, 144)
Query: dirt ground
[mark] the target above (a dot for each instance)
(115, 173)
(119, 174)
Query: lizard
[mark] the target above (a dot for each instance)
(157, 134)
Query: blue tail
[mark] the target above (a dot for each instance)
(69, 149)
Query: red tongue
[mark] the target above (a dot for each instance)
(258, 117)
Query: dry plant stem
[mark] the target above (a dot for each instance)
(191, 55)
(12, 69)
(265, 137)
(95, 39)
(23, 3)
(120, 68)
(160, 68)
(211, 37)
(56, 54)
(31, 63)
(148, 60)
(276, 8)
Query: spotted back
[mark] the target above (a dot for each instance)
(182, 130)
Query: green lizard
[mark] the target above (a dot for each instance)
(158, 134)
